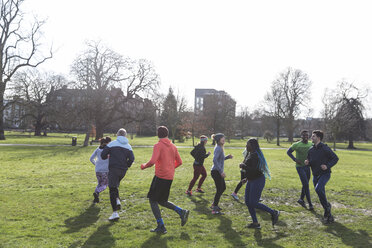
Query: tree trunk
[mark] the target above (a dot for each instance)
(87, 135)
(2, 135)
(351, 144)
(290, 130)
(99, 131)
(277, 131)
(38, 128)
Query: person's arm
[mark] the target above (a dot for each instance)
(289, 153)
(92, 158)
(130, 158)
(332, 157)
(105, 152)
(154, 158)
(218, 159)
(178, 160)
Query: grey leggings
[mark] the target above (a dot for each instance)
(155, 207)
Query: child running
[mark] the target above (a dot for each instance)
(199, 154)
(256, 170)
(166, 158)
(217, 172)
(101, 168)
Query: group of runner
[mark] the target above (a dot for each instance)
(112, 160)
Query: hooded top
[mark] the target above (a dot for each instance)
(121, 154)
(166, 159)
(101, 164)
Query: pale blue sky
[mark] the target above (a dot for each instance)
(237, 46)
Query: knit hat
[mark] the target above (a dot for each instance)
(163, 132)
(218, 136)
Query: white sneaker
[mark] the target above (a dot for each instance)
(118, 201)
(114, 216)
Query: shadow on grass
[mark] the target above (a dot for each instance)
(157, 240)
(349, 237)
(100, 238)
(85, 219)
(225, 227)
(268, 242)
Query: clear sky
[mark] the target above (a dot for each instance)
(238, 46)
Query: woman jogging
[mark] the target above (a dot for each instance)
(199, 154)
(101, 168)
(217, 172)
(256, 170)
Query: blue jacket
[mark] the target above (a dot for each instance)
(119, 152)
(321, 154)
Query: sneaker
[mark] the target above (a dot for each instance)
(114, 216)
(301, 202)
(216, 210)
(96, 198)
(199, 190)
(327, 211)
(311, 207)
(254, 225)
(184, 216)
(188, 192)
(275, 217)
(159, 229)
(330, 219)
(235, 196)
(118, 204)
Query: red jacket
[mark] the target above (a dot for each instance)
(166, 158)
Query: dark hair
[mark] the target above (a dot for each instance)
(163, 132)
(319, 133)
(304, 131)
(108, 139)
(102, 141)
(254, 144)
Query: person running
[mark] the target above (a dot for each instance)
(166, 159)
(121, 158)
(302, 147)
(242, 177)
(217, 172)
(256, 172)
(321, 159)
(101, 168)
(199, 153)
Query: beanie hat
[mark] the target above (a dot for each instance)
(162, 132)
(218, 136)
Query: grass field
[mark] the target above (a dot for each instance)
(46, 201)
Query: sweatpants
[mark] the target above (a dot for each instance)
(219, 181)
(198, 170)
(115, 175)
(304, 174)
(253, 192)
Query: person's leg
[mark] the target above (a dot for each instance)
(197, 172)
(302, 176)
(203, 173)
(219, 186)
(240, 184)
(255, 193)
(157, 214)
(102, 179)
(252, 210)
(320, 189)
(306, 186)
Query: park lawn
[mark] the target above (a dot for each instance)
(17, 137)
(46, 201)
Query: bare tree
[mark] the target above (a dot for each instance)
(33, 89)
(294, 86)
(274, 101)
(19, 47)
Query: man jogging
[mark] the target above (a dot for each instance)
(302, 147)
(121, 157)
(166, 159)
(321, 158)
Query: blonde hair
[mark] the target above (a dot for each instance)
(121, 132)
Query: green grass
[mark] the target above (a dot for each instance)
(46, 195)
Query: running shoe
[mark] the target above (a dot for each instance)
(235, 196)
(184, 216)
(275, 217)
(189, 193)
(301, 202)
(159, 229)
(114, 216)
(199, 190)
(96, 198)
(254, 226)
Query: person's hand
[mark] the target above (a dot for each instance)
(223, 175)
(307, 162)
(324, 167)
(241, 165)
(244, 180)
(209, 153)
(230, 156)
(298, 162)
(143, 166)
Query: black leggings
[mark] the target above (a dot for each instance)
(219, 181)
(155, 207)
(242, 176)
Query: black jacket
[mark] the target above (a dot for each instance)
(200, 154)
(251, 166)
(120, 157)
(321, 154)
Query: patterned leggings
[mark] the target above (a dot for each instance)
(102, 178)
